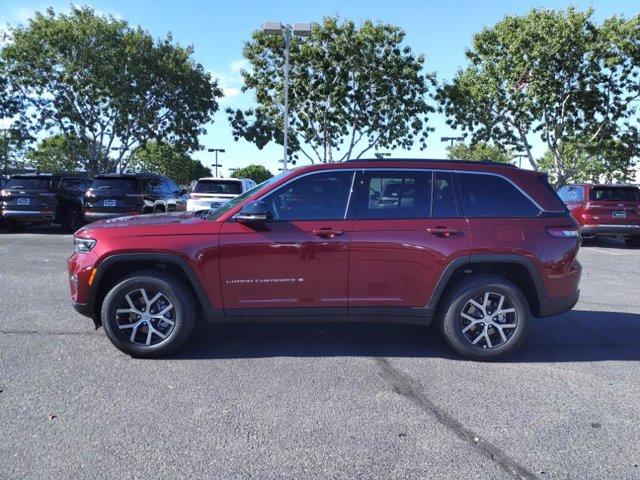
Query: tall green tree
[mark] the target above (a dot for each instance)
(59, 153)
(98, 79)
(257, 173)
(555, 74)
(353, 89)
(169, 160)
(478, 151)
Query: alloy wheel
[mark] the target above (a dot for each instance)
(146, 317)
(488, 320)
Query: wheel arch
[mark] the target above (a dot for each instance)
(517, 269)
(116, 266)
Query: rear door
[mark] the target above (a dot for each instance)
(299, 259)
(408, 229)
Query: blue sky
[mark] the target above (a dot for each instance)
(441, 30)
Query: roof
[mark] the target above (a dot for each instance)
(131, 175)
(220, 178)
(49, 175)
(609, 185)
(431, 160)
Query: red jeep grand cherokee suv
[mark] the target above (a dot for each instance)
(605, 210)
(475, 246)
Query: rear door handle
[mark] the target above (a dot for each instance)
(327, 232)
(443, 231)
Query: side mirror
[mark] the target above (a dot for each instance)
(254, 212)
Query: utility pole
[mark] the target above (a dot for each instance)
(216, 164)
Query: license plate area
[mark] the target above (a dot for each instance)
(24, 201)
(109, 203)
(619, 214)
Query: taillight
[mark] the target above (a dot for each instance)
(5, 193)
(563, 232)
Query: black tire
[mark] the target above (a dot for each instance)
(14, 226)
(453, 323)
(184, 313)
(72, 220)
(633, 242)
(158, 209)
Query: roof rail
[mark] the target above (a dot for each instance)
(434, 160)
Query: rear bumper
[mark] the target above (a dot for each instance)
(556, 306)
(609, 230)
(28, 216)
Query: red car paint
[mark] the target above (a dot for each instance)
(339, 267)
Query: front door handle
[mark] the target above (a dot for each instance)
(443, 231)
(327, 232)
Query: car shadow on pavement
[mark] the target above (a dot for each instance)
(577, 336)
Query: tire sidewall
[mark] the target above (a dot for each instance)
(458, 299)
(182, 303)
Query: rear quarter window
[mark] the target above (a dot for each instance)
(485, 195)
(571, 193)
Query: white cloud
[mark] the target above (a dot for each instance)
(230, 79)
(238, 65)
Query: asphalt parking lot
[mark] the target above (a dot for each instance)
(316, 401)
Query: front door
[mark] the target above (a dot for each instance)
(408, 229)
(300, 258)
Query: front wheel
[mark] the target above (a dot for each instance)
(485, 317)
(146, 315)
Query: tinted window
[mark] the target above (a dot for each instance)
(73, 184)
(218, 186)
(571, 194)
(388, 195)
(617, 194)
(116, 183)
(29, 183)
(173, 188)
(444, 198)
(319, 196)
(492, 196)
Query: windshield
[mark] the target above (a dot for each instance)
(214, 214)
(232, 187)
(617, 194)
(117, 183)
(29, 183)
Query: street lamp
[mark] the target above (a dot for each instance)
(519, 156)
(451, 139)
(382, 154)
(216, 165)
(299, 30)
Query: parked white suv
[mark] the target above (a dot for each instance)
(215, 192)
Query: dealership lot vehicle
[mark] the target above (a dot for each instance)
(316, 399)
(478, 247)
(44, 198)
(214, 192)
(605, 210)
(117, 195)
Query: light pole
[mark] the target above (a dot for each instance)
(216, 165)
(381, 155)
(519, 156)
(451, 139)
(299, 30)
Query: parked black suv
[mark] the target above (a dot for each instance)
(44, 198)
(117, 195)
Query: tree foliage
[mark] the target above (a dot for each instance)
(97, 79)
(59, 153)
(169, 160)
(478, 151)
(257, 173)
(556, 74)
(352, 89)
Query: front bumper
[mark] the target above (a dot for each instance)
(28, 216)
(609, 230)
(555, 306)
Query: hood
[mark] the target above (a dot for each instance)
(145, 225)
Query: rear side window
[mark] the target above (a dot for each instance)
(127, 184)
(444, 198)
(29, 183)
(615, 194)
(571, 193)
(486, 195)
(395, 195)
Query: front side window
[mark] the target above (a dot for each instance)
(485, 195)
(571, 193)
(319, 196)
(395, 195)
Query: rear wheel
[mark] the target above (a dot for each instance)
(485, 317)
(146, 315)
(72, 220)
(634, 241)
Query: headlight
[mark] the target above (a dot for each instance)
(83, 245)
